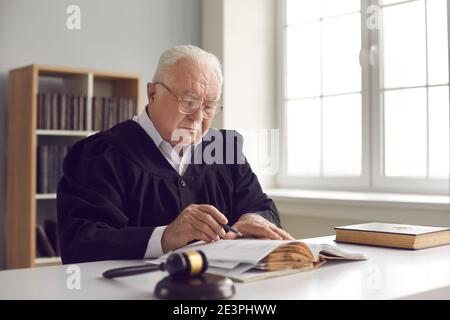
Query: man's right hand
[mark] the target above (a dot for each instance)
(195, 222)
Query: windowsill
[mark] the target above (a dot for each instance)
(368, 199)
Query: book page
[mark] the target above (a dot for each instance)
(330, 252)
(239, 250)
(393, 228)
(230, 254)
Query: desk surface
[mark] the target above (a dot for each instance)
(388, 274)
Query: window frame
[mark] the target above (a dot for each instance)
(372, 178)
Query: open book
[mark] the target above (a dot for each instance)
(252, 259)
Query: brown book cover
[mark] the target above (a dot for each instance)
(131, 109)
(54, 115)
(105, 113)
(47, 111)
(120, 109)
(69, 112)
(52, 168)
(97, 113)
(42, 174)
(112, 112)
(94, 113)
(76, 113)
(83, 108)
(394, 235)
(40, 111)
(62, 111)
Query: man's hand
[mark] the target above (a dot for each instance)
(195, 222)
(253, 225)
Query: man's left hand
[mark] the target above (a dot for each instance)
(253, 225)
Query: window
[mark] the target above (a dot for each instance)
(365, 99)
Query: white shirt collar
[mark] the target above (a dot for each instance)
(147, 124)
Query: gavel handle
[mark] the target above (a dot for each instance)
(132, 270)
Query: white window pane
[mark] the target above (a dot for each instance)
(304, 149)
(437, 42)
(405, 122)
(439, 132)
(341, 47)
(302, 10)
(404, 45)
(342, 135)
(303, 60)
(334, 8)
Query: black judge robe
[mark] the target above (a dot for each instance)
(117, 187)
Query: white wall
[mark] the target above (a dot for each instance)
(212, 37)
(302, 227)
(242, 34)
(115, 35)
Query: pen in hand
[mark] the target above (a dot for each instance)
(228, 228)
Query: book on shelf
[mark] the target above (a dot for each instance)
(97, 113)
(62, 102)
(49, 168)
(247, 260)
(44, 247)
(51, 230)
(75, 113)
(108, 111)
(47, 239)
(394, 235)
(83, 113)
(57, 111)
(42, 167)
(54, 111)
(69, 117)
(47, 111)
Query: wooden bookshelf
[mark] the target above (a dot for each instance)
(26, 207)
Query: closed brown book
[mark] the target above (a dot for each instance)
(62, 110)
(54, 110)
(69, 112)
(40, 111)
(76, 113)
(394, 235)
(47, 111)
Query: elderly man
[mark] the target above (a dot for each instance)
(133, 191)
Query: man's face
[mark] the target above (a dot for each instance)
(185, 79)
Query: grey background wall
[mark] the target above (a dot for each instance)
(115, 35)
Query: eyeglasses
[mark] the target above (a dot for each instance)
(188, 105)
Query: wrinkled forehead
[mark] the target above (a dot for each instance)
(190, 78)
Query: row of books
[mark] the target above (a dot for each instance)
(47, 239)
(108, 111)
(57, 111)
(61, 112)
(50, 163)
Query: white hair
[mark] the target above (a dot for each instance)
(195, 54)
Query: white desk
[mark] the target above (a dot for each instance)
(388, 274)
